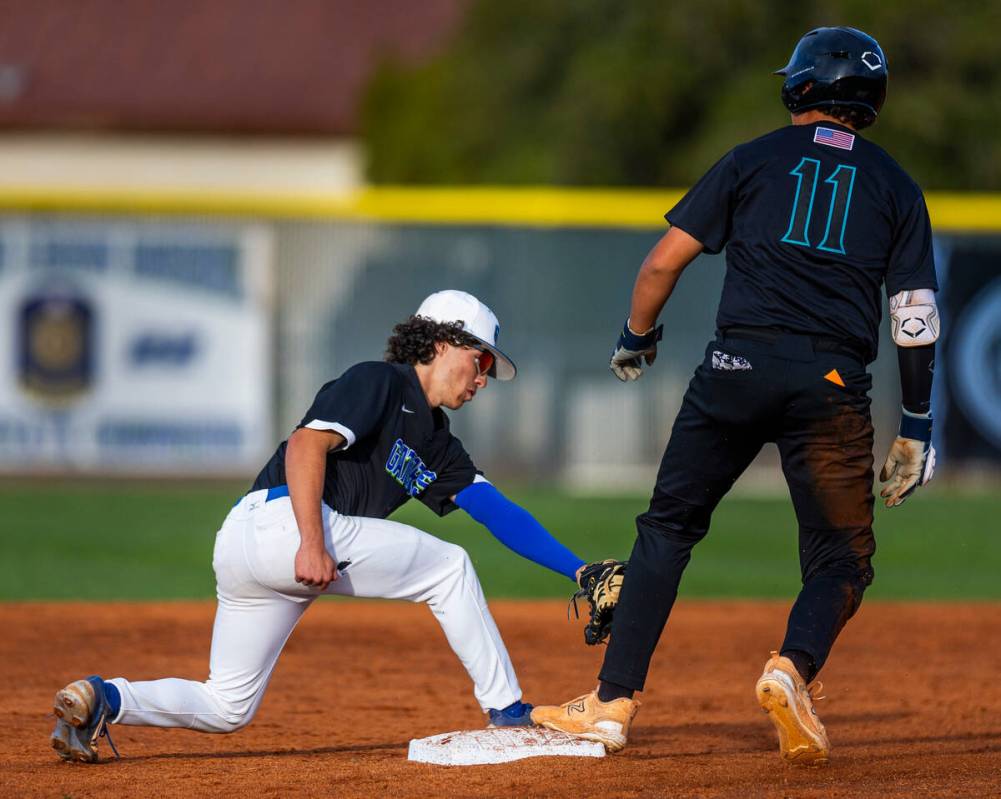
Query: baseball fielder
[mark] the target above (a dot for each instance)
(314, 523)
(815, 220)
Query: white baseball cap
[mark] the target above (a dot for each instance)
(477, 320)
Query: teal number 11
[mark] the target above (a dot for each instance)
(842, 180)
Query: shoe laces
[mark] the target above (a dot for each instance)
(101, 731)
(812, 692)
(106, 733)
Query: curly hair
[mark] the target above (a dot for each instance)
(413, 340)
(853, 116)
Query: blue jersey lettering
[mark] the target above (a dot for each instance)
(408, 469)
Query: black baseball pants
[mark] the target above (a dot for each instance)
(749, 390)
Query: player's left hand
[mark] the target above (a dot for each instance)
(632, 349)
(911, 462)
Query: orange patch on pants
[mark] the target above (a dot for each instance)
(835, 378)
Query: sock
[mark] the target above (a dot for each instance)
(114, 699)
(609, 691)
(803, 663)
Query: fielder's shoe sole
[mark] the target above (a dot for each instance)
(81, 713)
(61, 740)
(785, 698)
(589, 718)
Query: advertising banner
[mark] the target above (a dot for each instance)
(134, 347)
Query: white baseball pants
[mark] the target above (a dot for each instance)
(260, 603)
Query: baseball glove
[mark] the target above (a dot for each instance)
(600, 583)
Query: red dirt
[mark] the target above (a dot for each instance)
(913, 705)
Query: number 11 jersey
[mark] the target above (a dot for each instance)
(815, 219)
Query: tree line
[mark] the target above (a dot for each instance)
(648, 93)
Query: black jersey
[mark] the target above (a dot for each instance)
(398, 447)
(814, 219)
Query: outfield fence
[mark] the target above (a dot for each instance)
(185, 334)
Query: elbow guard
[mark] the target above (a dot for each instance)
(914, 318)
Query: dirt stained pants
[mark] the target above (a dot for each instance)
(813, 403)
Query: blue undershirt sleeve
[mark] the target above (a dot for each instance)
(516, 528)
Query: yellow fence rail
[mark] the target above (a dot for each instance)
(517, 207)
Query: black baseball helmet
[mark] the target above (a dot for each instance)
(836, 67)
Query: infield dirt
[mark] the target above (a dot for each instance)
(913, 705)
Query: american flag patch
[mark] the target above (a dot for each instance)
(834, 138)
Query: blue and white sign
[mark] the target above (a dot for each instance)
(135, 347)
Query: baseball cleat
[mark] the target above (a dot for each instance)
(787, 700)
(589, 718)
(81, 718)
(517, 714)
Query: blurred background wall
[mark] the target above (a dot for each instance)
(202, 218)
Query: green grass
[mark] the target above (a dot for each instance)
(132, 541)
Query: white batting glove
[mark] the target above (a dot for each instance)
(632, 349)
(911, 462)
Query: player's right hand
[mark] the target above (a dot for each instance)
(315, 568)
(911, 461)
(632, 349)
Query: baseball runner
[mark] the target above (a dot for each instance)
(314, 523)
(815, 220)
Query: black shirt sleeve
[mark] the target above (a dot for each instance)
(456, 473)
(706, 211)
(355, 404)
(912, 258)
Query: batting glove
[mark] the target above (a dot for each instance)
(631, 349)
(911, 462)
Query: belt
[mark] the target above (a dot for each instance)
(273, 493)
(771, 335)
(276, 493)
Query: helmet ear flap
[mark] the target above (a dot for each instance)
(794, 94)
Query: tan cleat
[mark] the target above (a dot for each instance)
(784, 696)
(589, 718)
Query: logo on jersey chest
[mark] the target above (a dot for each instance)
(408, 469)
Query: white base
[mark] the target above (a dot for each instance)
(499, 745)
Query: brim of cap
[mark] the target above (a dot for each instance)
(503, 368)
